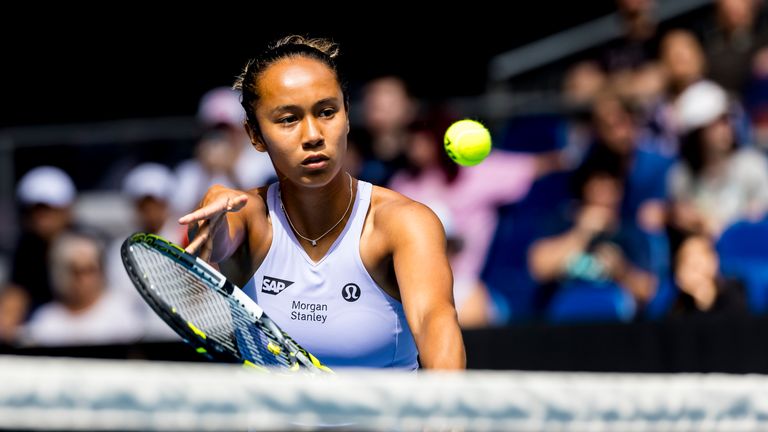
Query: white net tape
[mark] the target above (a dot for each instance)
(69, 394)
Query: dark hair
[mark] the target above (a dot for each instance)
(322, 50)
(599, 162)
(434, 123)
(692, 149)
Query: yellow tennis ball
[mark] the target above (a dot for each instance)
(467, 142)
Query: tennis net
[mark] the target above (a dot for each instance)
(77, 394)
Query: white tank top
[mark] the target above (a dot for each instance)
(332, 307)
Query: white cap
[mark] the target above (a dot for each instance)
(221, 106)
(699, 105)
(149, 180)
(46, 185)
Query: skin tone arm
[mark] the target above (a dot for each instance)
(425, 281)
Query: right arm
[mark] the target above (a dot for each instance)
(220, 223)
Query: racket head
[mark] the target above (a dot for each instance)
(205, 309)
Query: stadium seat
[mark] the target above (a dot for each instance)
(583, 301)
(743, 251)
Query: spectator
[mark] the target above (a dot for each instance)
(84, 311)
(223, 154)
(470, 195)
(732, 42)
(589, 242)
(388, 109)
(715, 183)
(638, 44)
(619, 139)
(46, 195)
(702, 288)
(150, 188)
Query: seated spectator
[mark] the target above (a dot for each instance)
(46, 195)
(737, 34)
(470, 195)
(224, 154)
(150, 188)
(618, 141)
(388, 109)
(84, 310)
(716, 182)
(702, 288)
(591, 243)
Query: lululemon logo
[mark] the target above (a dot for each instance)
(350, 292)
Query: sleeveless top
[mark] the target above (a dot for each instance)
(332, 308)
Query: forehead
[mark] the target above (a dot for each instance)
(297, 81)
(81, 250)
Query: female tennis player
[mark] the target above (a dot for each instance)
(355, 273)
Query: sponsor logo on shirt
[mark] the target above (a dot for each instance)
(274, 286)
(350, 292)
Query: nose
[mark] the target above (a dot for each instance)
(312, 136)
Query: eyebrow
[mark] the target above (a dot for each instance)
(324, 101)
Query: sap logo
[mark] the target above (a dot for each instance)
(274, 286)
(350, 292)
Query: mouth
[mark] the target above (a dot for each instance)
(315, 161)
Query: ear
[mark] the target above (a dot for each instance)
(256, 139)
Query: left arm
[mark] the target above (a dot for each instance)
(426, 284)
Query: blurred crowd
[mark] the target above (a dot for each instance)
(649, 202)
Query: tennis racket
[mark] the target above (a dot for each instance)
(207, 310)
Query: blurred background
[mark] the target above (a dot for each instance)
(619, 224)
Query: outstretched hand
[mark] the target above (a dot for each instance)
(209, 218)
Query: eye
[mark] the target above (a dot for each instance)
(328, 112)
(287, 120)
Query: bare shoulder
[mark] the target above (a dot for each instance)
(257, 200)
(394, 214)
(257, 223)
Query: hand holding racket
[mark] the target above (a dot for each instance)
(210, 217)
(207, 310)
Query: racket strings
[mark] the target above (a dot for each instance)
(194, 297)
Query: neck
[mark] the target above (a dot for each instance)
(314, 210)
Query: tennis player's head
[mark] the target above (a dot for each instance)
(297, 108)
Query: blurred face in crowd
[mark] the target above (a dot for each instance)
(422, 149)
(717, 137)
(736, 14)
(614, 125)
(697, 265)
(76, 271)
(682, 58)
(602, 190)
(152, 213)
(582, 83)
(386, 105)
(47, 221)
(633, 7)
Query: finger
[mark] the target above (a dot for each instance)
(202, 234)
(204, 239)
(206, 249)
(237, 203)
(205, 212)
(200, 237)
